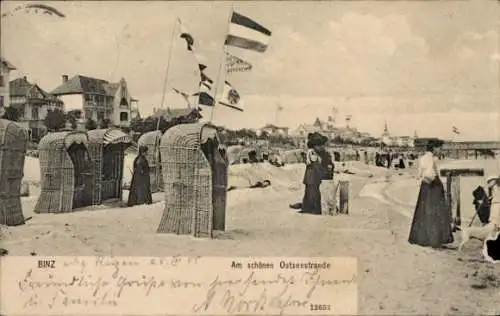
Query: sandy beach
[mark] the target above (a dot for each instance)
(395, 277)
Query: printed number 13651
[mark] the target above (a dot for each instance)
(320, 307)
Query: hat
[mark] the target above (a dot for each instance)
(316, 139)
(492, 179)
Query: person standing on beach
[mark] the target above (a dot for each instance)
(327, 187)
(311, 203)
(140, 186)
(432, 220)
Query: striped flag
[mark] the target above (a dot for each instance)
(206, 81)
(455, 130)
(204, 96)
(230, 97)
(236, 64)
(247, 34)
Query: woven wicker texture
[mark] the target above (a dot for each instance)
(59, 193)
(152, 141)
(107, 151)
(13, 146)
(188, 176)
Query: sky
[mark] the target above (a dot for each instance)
(422, 66)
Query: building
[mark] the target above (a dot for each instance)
(32, 103)
(97, 99)
(273, 130)
(5, 69)
(397, 141)
(386, 136)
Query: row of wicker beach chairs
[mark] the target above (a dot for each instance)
(86, 168)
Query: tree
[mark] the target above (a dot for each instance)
(55, 120)
(73, 116)
(105, 123)
(12, 114)
(90, 124)
(137, 125)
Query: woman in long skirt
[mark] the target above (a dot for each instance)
(311, 203)
(140, 186)
(327, 187)
(431, 226)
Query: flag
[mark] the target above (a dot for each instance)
(247, 34)
(192, 46)
(206, 81)
(204, 98)
(236, 64)
(230, 97)
(183, 94)
(455, 130)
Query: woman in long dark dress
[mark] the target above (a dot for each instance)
(140, 186)
(311, 203)
(431, 226)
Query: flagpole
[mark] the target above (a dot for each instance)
(172, 41)
(222, 63)
(174, 28)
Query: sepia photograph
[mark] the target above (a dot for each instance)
(350, 136)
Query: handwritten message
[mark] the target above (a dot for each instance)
(178, 285)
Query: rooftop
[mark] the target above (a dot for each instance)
(271, 126)
(7, 64)
(21, 87)
(80, 84)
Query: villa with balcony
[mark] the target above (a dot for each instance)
(97, 99)
(33, 104)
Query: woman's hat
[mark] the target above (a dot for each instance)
(143, 149)
(491, 180)
(316, 139)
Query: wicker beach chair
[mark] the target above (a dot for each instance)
(152, 141)
(107, 150)
(13, 146)
(195, 179)
(66, 172)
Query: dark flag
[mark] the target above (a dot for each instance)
(204, 98)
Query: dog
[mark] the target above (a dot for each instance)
(480, 233)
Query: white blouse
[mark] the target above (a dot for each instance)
(495, 207)
(427, 168)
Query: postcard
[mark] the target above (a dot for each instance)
(250, 157)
